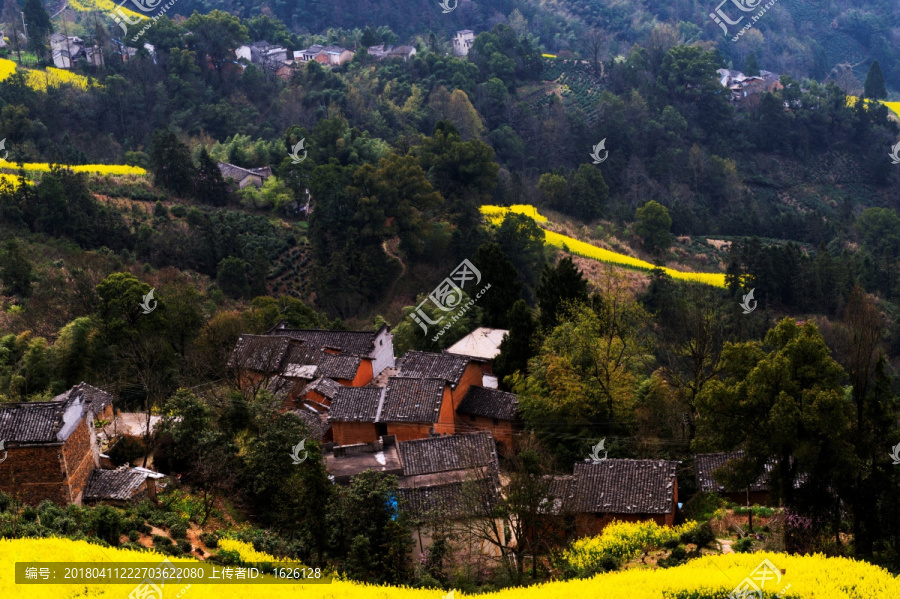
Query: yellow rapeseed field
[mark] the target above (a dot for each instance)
(894, 106)
(496, 214)
(99, 169)
(41, 80)
(712, 577)
(104, 6)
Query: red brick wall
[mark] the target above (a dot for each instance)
(502, 431)
(318, 398)
(406, 431)
(471, 376)
(446, 424)
(33, 474)
(363, 373)
(351, 433)
(78, 459)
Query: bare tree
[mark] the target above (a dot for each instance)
(596, 42)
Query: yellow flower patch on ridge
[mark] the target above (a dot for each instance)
(496, 214)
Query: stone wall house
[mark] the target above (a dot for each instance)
(462, 41)
(245, 176)
(378, 346)
(624, 490)
(50, 449)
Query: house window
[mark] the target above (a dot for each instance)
(381, 342)
(496, 422)
(472, 417)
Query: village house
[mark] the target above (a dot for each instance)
(743, 87)
(377, 346)
(759, 493)
(460, 372)
(493, 411)
(50, 447)
(483, 343)
(343, 462)
(263, 54)
(260, 361)
(120, 487)
(245, 176)
(450, 482)
(383, 51)
(462, 41)
(624, 490)
(331, 55)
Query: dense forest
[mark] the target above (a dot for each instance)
(791, 193)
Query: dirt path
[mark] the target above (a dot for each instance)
(392, 248)
(726, 545)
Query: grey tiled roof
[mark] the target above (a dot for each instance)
(339, 367)
(561, 491)
(449, 367)
(706, 463)
(624, 487)
(239, 173)
(490, 403)
(476, 497)
(355, 343)
(322, 385)
(259, 353)
(35, 422)
(312, 421)
(94, 399)
(355, 404)
(412, 399)
(121, 484)
(448, 453)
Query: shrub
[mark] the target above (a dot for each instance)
(107, 523)
(701, 536)
(160, 541)
(702, 506)
(678, 556)
(227, 557)
(744, 545)
(133, 535)
(209, 539)
(186, 546)
(178, 530)
(178, 211)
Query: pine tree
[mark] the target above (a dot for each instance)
(209, 185)
(39, 26)
(751, 67)
(560, 285)
(874, 88)
(171, 163)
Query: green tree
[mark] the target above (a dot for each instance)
(16, 272)
(39, 26)
(560, 285)
(751, 66)
(497, 269)
(652, 225)
(588, 192)
(518, 346)
(215, 35)
(554, 189)
(372, 529)
(874, 88)
(170, 161)
(782, 400)
(208, 184)
(444, 332)
(879, 230)
(231, 276)
(522, 240)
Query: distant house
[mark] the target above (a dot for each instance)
(258, 359)
(320, 392)
(268, 56)
(625, 490)
(329, 55)
(481, 343)
(493, 411)
(245, 176)
(759, 493)
(460, 372)
(462, 41)
(120, 487)
(50, 450)
(743, 87)
(94, 56)
(378, 346)
(65, 50)
(98, 402)
(2, 40)
(450, 479)
(383, 51)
